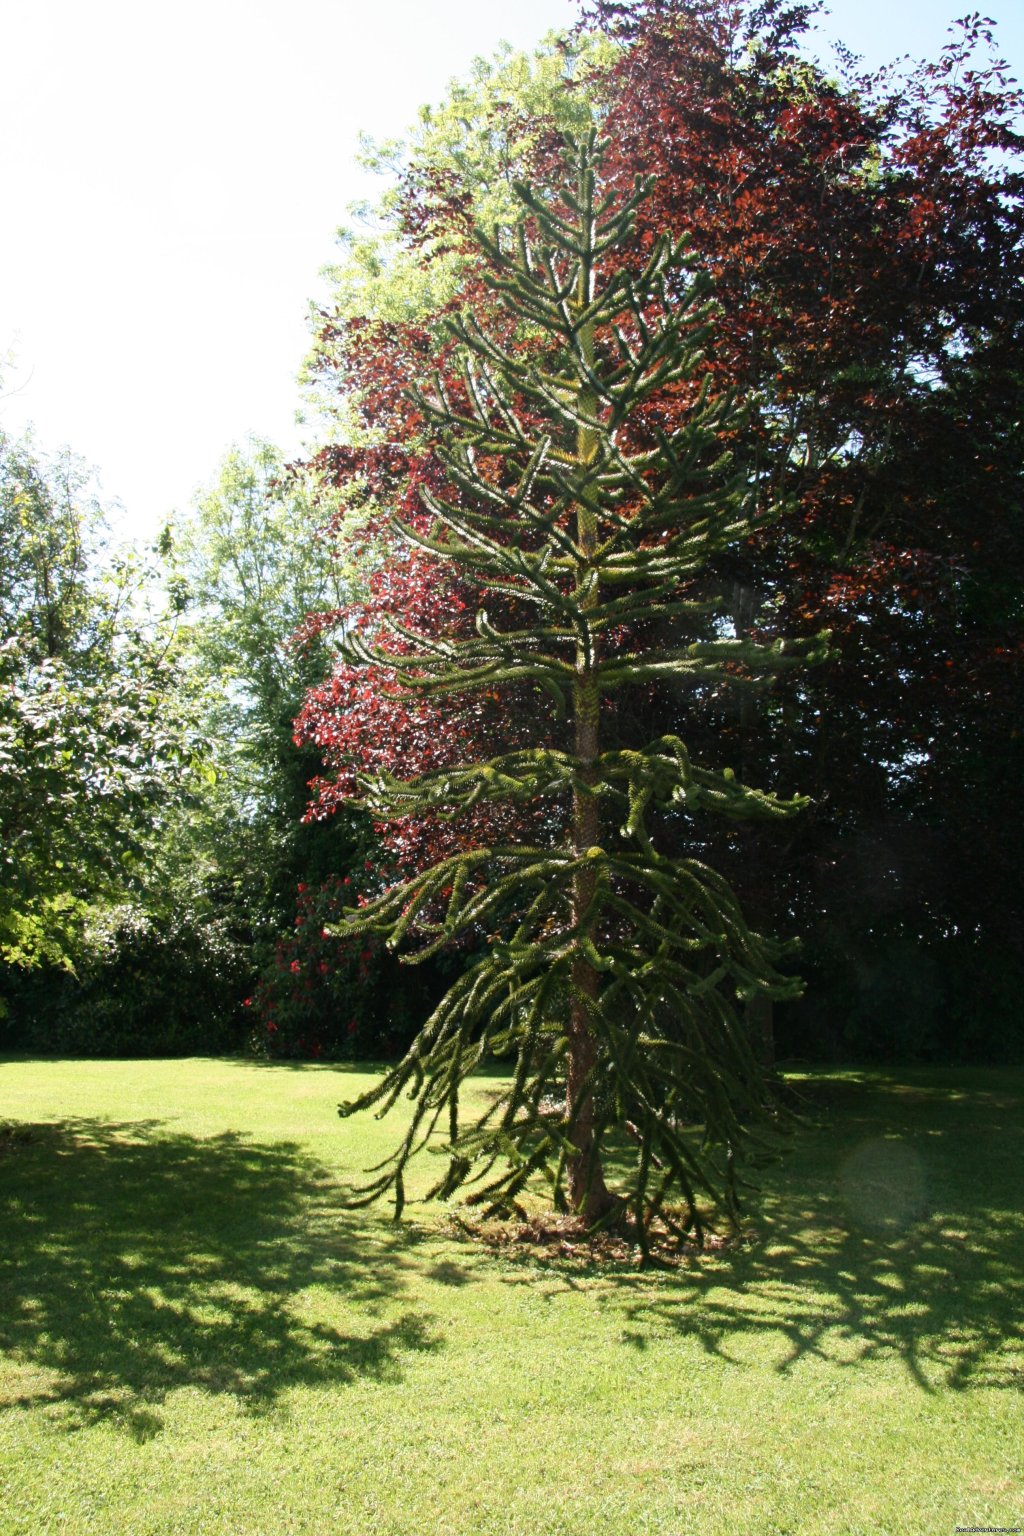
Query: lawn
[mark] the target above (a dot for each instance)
(196, 1337)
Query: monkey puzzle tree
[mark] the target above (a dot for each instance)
(610, 969)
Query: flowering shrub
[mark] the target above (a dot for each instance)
(330, 998)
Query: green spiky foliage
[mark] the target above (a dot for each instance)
(611, 971)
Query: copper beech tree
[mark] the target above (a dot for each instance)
(865, 236)
(610, 971)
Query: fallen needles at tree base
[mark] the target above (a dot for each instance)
(548, 1236)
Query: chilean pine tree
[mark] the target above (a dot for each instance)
(610, 970)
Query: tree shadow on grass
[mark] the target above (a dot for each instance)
(301, 1064)
(135, 1261)
(893, 1229)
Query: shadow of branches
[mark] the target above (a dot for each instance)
(894, 1228)
(135, 1261)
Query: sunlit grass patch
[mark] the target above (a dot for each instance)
(196, 1335)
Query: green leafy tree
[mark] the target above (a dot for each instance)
(612, 970)
(249, 566)
(96, 737)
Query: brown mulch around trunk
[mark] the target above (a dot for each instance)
(551, 1237)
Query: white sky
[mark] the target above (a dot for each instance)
(171, 180)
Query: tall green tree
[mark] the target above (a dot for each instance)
(249, 566)
(611, 969)
(96, 736)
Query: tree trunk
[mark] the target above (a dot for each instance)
(587, 1190)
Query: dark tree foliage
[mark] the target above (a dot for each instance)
(865, 238)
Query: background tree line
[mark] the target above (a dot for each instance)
(165, 858)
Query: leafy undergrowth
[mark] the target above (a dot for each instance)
(196, 1336)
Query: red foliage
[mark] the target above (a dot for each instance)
(862, 241)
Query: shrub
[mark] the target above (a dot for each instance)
(146, 984)
(324, 997)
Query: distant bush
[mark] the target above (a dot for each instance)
(143, 986)
(324, 997)
(885, 996)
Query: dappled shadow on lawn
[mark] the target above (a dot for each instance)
(135, 1261)
(893, 1229)
(371, 1067)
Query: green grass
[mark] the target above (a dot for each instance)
(195, 1337)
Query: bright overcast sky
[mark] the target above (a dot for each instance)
(172, 177)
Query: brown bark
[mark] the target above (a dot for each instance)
(587, 1189)
(588, 1192)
